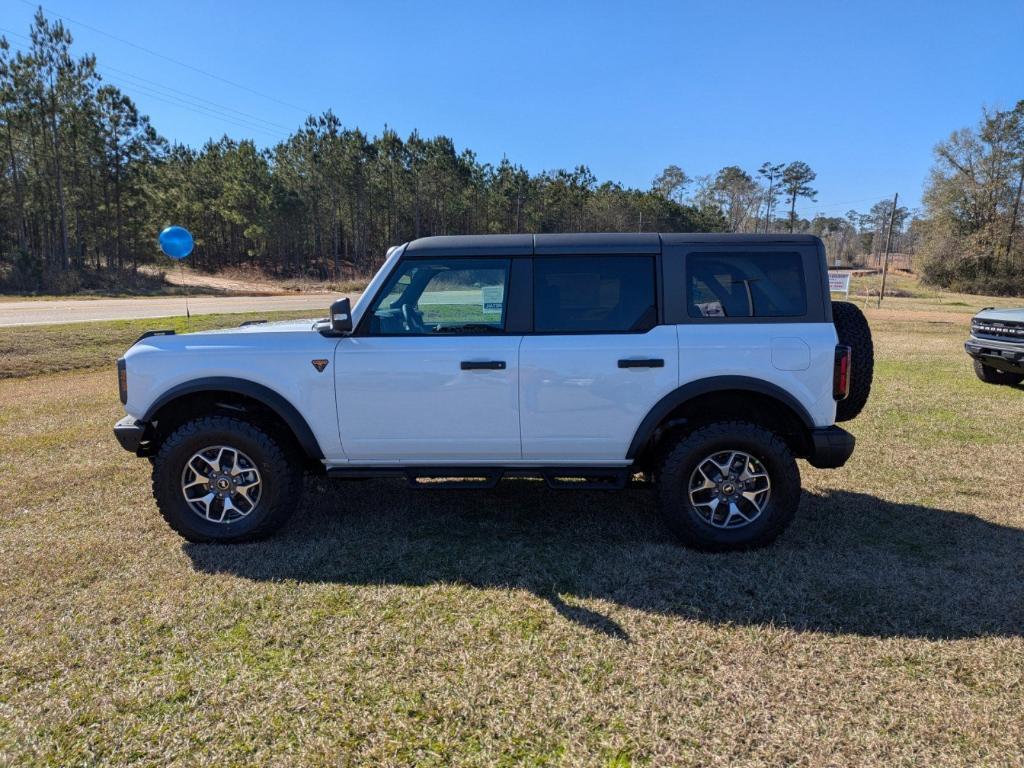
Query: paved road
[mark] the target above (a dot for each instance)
(50, 311)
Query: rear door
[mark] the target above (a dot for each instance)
(431, 375)
(597, 359)
(754, 309)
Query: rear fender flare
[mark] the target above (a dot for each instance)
(690, 390)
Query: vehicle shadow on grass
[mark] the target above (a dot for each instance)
(850, 563)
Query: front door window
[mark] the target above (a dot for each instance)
(443, 297)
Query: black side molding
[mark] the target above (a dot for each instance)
(469, 476)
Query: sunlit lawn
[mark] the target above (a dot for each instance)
(386, 626)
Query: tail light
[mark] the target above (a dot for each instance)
(122, 380)
(841, 372)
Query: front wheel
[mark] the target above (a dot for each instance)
(991, 375)
(220, 479)
(727, 486)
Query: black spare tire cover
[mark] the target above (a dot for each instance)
(853, 331)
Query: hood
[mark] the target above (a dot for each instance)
(287, 334)
(280, 326)
(1007, 315)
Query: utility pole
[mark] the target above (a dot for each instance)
(888, 242)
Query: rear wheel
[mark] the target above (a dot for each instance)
(220, 479)
(853, 330)
(729, 485)
(991, 375)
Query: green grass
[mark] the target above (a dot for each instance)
(40, 349)
(521, 626)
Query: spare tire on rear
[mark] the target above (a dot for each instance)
(853, 331)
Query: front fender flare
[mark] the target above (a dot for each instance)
(276, 402)
(690, 390)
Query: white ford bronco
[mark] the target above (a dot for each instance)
(704, 364)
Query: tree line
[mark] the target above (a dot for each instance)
(971, 238)
(86, 182)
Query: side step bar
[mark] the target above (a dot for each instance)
(562, 478)
(605, 479)
(438, 479)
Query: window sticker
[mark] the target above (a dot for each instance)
(492, 298)
(711, 309)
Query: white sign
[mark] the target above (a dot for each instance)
(839, 282)
(492, 297)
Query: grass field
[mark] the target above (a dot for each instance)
(31, 350)
(520, 626)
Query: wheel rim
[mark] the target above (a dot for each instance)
(221, 484)
(729, 489)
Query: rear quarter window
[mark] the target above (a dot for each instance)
(745, 284)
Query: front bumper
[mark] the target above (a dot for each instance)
(1001, 355)
(131, 434)
(830, 447)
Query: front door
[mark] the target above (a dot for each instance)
(430, 376)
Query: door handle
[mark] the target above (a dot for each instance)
(652, 362)
(482, 365)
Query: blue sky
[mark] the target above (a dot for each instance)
(861, 91)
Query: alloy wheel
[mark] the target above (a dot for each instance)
(221, 484)
(729, 489)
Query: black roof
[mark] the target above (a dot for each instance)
(582, 242)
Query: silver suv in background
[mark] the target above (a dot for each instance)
(997, 345)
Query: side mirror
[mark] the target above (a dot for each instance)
(341, 316)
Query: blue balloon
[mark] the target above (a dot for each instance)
(176, 242)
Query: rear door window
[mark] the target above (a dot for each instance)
(766, 284)
(594, 294)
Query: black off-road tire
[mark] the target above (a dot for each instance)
(682, 459)
(991, 375)
(853, 330)
(280, 473)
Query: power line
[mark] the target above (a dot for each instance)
(26, 38)
(124, 73)
(216, 110)
(198, 109)
(167, 58)
(841, 203)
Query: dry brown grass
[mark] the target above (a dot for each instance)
(904, 291)
(524, 626)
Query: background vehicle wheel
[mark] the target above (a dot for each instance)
(853, 330)
(729, 485)
(220, 479)
(993, 376)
